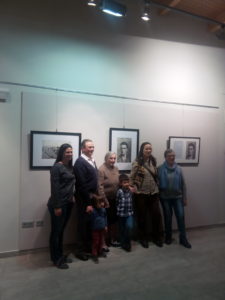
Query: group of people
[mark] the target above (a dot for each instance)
(109, 204)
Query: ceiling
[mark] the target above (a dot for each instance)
(212, 11)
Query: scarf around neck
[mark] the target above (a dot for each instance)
(163, 175)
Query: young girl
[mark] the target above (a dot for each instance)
(99, 227)
(125, 211)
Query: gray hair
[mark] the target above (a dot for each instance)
(108, 154)
(168, 151)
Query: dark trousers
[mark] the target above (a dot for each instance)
(97, 241)
(126, 225)
(168, 206)
(84, 230)
(58, 224)
(148, 213)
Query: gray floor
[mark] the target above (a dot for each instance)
(171, 272)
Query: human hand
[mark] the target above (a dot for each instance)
(185, 202)
(89, 209)
(58, 212)
(133, 189)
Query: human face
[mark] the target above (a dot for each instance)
(111, 160)
(124, 149)
(191, 150)
(170, 158)
(125, 184)
(147, 151)
(67, 155)
(88, 149)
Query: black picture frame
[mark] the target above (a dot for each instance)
(187, 149)
(44, 146)
(125, 143)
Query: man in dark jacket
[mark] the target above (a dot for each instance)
(86, 184)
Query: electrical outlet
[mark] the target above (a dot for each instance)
(39, 223)
(28, 224)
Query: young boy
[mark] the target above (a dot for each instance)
(99, 227)
(125, 212)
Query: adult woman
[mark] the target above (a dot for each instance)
(144, 178)
(108, 185)
(60, 203)
(173, 196)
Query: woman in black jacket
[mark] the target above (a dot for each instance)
(60, 203)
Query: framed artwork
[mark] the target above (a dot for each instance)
(125, 143)
(44, 146)
(187, 149)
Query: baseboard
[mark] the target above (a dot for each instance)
(23, 252)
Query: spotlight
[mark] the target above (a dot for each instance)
(91, 3)
(113, 8)
(146, 13)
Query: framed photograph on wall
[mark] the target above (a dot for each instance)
(44, 146)
(124, 142)
(187, 149)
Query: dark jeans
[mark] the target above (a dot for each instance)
(58, 224)
(126, 225)
(84, 230)
(168, 206)
(148, 213)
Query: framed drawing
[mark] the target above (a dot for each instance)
(44, 146)
(125, 143)
(187, 149)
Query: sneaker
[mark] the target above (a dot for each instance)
(61, 265)
(158, 243)
(127, 247)
(144, 243)
(115, 244)
(95, 259)
(168, 240)
(103, 254)
(185, 243)
(67, 260)
(82, 256)
(104, 249)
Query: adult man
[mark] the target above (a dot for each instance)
(173, 196)
(124, 155)
(86, 184)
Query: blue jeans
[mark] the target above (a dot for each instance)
(58, 224)
(168, 206)
(126, 225)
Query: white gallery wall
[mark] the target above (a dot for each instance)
(121, 60)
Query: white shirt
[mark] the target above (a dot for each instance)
(90, 160)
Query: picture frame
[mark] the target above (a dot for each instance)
(125, 143)
(187, 149)
(44, 146)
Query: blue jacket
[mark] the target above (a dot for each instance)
(98, 218)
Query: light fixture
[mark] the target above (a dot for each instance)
(91, 3)
(113, 8)
(146, 13)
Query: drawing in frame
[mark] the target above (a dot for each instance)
(187, 149)
(44, 146)
(124, 142)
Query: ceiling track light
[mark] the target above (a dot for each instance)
(91, 3)
(113, 8)
(146, 12)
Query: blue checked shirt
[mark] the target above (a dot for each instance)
(124, 203)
